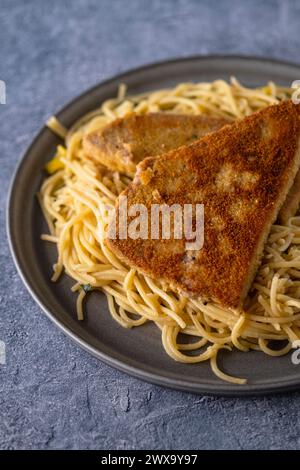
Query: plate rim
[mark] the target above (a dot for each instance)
(226, 389)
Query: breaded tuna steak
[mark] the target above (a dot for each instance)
(242, 174)
(125, 142)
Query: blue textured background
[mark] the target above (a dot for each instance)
(53, 394)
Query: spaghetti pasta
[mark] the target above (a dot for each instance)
(76, 201)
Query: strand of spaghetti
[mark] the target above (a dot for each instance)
(85, 201)
(120, 298)
(55, 125)
(171, 348)
(266, 305)
(110, 256)
(231, 100)
(273, 299)
(133, 322)
(148, 297)
(80, 249)
(108, 276)
(107, 108)
(285, 264)
(236, 332)
(85, 121)
(293, 303)
(140, 308)
(263, 344)
(213, 109)
(260, 318)
(176, 99)
(231, 319)
(111, 306)
(65, 236)
(253, 92)
(167, 298)
(167, 311)
(78, 172)
(46, 214)
(222, 375)
(93, 268)
(214, 312)
(92, 249)
(291, 335)
(213, 338)
(170, 313)
(73, 145)
(79, 305)
(57, 271)
(76, 287)
(46, 191)
(49, 238)
(214, 324)
(192, 346)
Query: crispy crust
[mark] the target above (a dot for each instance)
(125, 142)
(291, 204)
(242, 173)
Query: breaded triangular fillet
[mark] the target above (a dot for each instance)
(242, 174)
(125, 142)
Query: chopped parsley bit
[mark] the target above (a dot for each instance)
(86, 287)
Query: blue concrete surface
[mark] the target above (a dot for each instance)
(53, 394)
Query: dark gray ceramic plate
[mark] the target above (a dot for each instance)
(138, 352)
